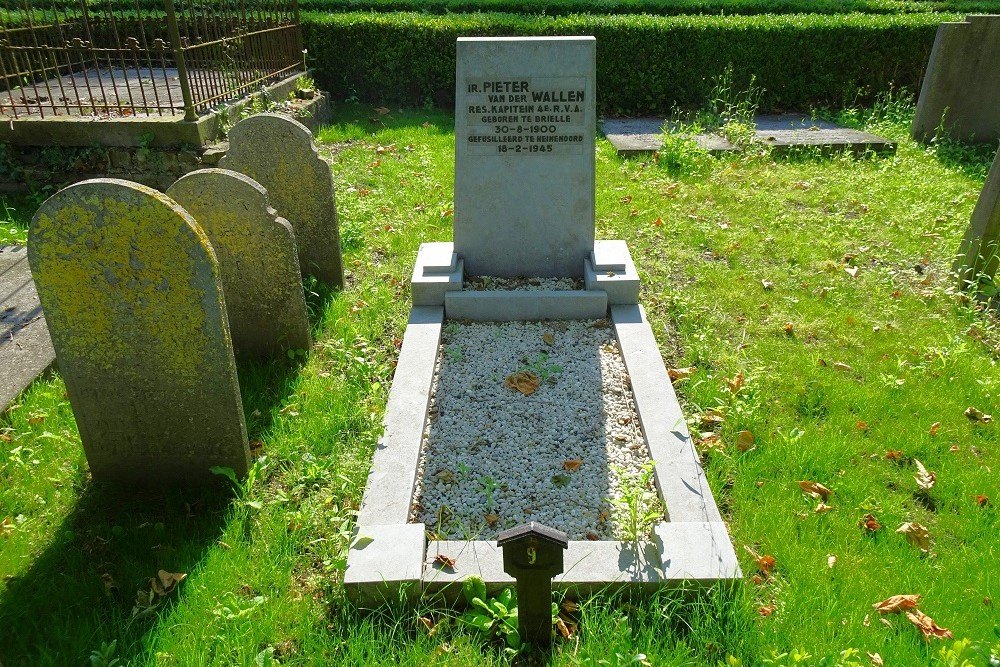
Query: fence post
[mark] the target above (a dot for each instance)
(174, 34)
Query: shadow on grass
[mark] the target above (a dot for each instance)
(80, 591)
(973, 160)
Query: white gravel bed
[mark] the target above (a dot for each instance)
(491, 283)
(493, 458)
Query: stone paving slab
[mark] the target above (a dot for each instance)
(641, 136)
(25, 348)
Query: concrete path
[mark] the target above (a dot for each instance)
(25, 348)
(639, 136)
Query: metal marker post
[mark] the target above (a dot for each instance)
(533, 554)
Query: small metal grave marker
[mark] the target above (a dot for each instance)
(533, 554)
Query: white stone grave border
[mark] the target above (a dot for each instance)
(391, 557)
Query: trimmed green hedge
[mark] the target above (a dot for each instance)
(658, 7)
(645, 64)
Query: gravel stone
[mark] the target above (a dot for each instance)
(492, 283)
(493, 458)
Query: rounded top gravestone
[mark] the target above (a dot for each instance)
(278, 152)
(257, 259)
(132, 295)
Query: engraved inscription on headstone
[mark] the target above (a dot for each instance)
(526, 116)
(525, 124)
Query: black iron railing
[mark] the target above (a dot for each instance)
(139, 58)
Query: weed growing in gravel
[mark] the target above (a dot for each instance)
(638, 506)
(542, 367)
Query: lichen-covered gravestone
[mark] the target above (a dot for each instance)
(132, 295)
(257, 259)
(278, 152)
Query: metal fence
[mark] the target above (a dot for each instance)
(119, 58)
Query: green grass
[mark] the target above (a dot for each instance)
(263, 580)
(15, 217)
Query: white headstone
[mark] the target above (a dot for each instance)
(525, 123)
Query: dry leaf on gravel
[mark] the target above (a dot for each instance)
(549, 338)
(927, 626)
(977, 415)
(525, 382)
(916, 534)
(492, 519)
(678, 374)
(815, 489)
(572, 465)
(897, 603)
(925, 479)
(165, 582)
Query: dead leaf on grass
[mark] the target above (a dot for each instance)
(6, 527)
(566, 629)
(678, 374)
(713, 417)
(525, 382)
(766, 610)
(815, 489)
(831, 560)
(925, 479)
(935, 427)
(736, 383)
(897, 603)
(852, 271)
(841, 366)
(767, 284)
(822, 507)
(981, 500)
(916, 534)
(862, 426)
(927, 626)
(165, 582)
(876, 659)
(975, 415)
(894, 455)
(744, 441)
(870, 523)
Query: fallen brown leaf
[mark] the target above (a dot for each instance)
(744, 441)
(831, 560)
(567, 630)
(897, 603)
(981, 500)
(713, 417)
(6, 527)
(525, 382)
(870, 523)
(841, 366)
(977, 415)
(815, 489)
(736, 383)
(569, 606)
(429, 625)
(572, 465)
(916, 534)
(822, 507)
(767, 284)
(789, 328)
(549, 338)
(925, 479)
(165, 582)
(593, 537)
(678, 374)
(894, 455)
(935, 427)
(445, 561)
(766, 610)
(876, 659)
(927, 626)
(861, 425)
(491, 519)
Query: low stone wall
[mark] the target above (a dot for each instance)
(22, 167)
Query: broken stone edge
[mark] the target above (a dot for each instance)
(391, 558)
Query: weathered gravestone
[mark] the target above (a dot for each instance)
(524, 155)
(278, 152)
(980, 250)
(257, 260)
(132, 295)
(961, 87)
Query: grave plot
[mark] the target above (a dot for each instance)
(529, 385)
(642, 136)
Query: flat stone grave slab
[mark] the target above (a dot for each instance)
(641, 136)
(25, 347)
